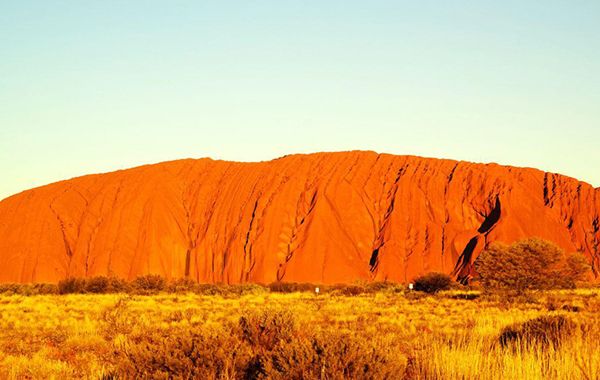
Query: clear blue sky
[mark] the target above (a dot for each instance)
(92, 86)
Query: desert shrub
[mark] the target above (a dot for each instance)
(265, 329)
(45, 289)
(336, 355)
(10, 288)
(184, 354)
(71, 285)
(347, 290)
(116, 319)
(291, 287)
(545, 330)
(209, 289)
(244, 289)
(529, 264)
(103, 284)
(465, 296)
(181, 285)
(432, 282)
(35, 366)
(28, 289)
(97, 284)
(118, 285)
(382, 286)
(148, 284)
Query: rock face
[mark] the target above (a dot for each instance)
(326, 217)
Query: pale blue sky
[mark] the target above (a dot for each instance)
(93, 86)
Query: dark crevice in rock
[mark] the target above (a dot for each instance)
(187, 263)
(546, 198)
(464, 261)
(373, 260)
(61, 223)
(248, 244)
(492, 218)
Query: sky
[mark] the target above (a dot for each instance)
(96, 86)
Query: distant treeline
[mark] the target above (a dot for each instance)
(152, 284)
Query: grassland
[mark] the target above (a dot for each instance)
(255, 333)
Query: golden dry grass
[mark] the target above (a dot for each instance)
(383, 335)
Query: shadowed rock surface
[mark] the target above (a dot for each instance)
(325, 217)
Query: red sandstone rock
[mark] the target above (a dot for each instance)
(326, 217)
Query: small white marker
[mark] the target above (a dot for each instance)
(410, 286)
(317, 290)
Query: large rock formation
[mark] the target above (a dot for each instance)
(326, 217)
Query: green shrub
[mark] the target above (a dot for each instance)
(529, 264)
(432, 282)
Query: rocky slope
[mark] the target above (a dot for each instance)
(326, 217)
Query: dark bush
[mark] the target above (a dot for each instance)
(71, 285)
(291, 287)
(97, 284)
(209, 289)
(182, 285)
(103, 284)
(241, 289)
(118, 285)
(545, 330)
(382, 286)
(10, 288)
(150, 283)
(28, 289)
(45, 289)
(465, 296)
(347, 290)
(432, 282)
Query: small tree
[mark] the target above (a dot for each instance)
(529, 264)
(433, 282)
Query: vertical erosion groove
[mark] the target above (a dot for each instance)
(61, 224)
(446, 211)
(380, 238)
(462, 269)
(248, 246)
